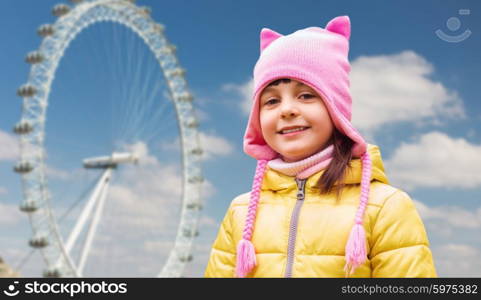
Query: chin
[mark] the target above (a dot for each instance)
(292, 157)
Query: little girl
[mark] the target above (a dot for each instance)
(321, 204)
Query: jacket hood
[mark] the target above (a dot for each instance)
(275, 181)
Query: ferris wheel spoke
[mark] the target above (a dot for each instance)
(132, 93)
(162, 121)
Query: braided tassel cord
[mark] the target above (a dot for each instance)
(246, 256)
(356, 252)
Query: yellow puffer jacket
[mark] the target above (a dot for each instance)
(397, 242)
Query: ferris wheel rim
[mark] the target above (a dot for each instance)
(35, 96)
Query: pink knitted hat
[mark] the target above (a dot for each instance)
(318, 57)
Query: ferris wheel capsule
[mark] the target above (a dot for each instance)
(23, 127)
(158, 27)
(185, 96)
(29, 206)
(196, 151)
(194, 206)
(60, 10)
(146, 10)
(52, 273)
(175, 72)
(192, 123)
(34, 57)
(196, 179)
(168, 49)
(190, 233)
(45, 30)
(186, 258)
(26, 90)
(23, 167)
(38, 242)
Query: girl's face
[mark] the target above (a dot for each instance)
(294, 105)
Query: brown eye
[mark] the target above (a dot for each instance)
(270, 101)
(307, 96)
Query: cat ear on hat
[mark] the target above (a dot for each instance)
(340, 25)
(267, 37)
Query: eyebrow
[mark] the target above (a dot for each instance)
(270, 87)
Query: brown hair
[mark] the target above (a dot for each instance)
(336, 170)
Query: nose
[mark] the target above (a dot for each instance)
(288, 109)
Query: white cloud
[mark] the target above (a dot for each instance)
(9, 149)
(170, 145)
(200, 113)
(452, 223)
(457, 260)
(207, 190)
(147, 193)
(215, 146)
(245, 91)
(455, 216)
(10, 215)
(436, 160)
(15, 250)
(397, 88)
(158, 246)
(141, 150)
(55, 173)
(206, 221)
(449, 223)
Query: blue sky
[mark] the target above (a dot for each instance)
(422, 99)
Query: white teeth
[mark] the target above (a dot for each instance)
(293, 130)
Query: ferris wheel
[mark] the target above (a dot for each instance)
(56, 248)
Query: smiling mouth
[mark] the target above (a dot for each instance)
(288, 131)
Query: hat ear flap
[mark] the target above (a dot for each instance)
(267, 37)
(340, 25)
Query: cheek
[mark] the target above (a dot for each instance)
(267, 122)
(320, 116)
(325, 122)
(324, 127)
(268, 128)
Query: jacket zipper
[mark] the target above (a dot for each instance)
(301, 184)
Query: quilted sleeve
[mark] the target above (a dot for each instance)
(222, 256)
(400, 246)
